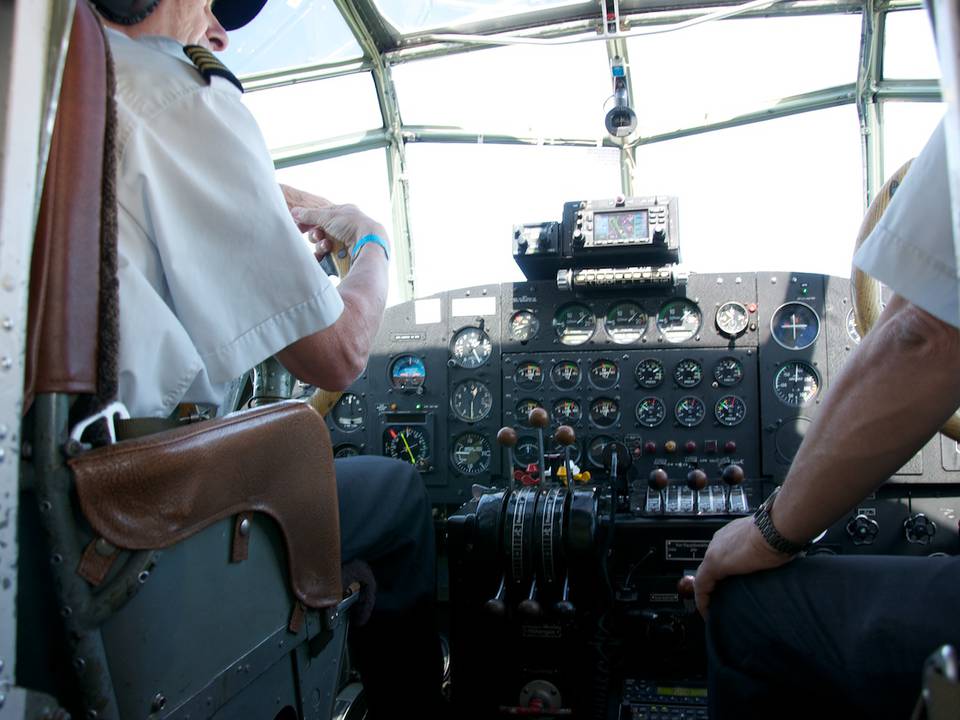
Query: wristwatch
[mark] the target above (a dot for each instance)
(764, 523)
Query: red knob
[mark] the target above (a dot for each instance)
(729, 447)
(690, 447)
(650, 447)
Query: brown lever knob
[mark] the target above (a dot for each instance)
(658, 479)
(507, 437)
(696, 480)
(732, 475)
(685, 587)
(565, 435)
(538, 418)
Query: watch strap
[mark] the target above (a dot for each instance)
(764, 523)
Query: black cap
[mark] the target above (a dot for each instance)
(234, 14)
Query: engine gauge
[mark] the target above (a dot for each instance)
(730, 410)
(528, 375)
(649, 373)
(625, 322)
(604, 374)
(688, 373)
(471, 454)
(407, 373)
(567, 411)
(679, 320)
(690, 411)
(728, 372)
(406, 443)
(523, 411)
(574, 324)
(524, 326)
(346, 451)
(732, 319)
(796, 384)
(471, 348)
(651, 412)
(557, 449)
(527, 452)
(604, 412)
(348, 412)
(795, 326)
(565, 374)
(471, 401)
(595, 449)
(852, 330)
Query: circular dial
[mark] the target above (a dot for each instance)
(604, 412)
(407, 373)
(651, 412)
(346, 451)
(524, 326)
(523, 411)
(471, 454)
(732, 319)
(852, 327)
(688, 373)
(529, 375)
(471, 348)
(406, 443)
(626, 322)
(471, 401)
(649, 373)
(557, 449)
(348, 412)
(795, 326)
(730, 410)
(595, 449)
(574, 324)
(527, 452)
(728, 372)
(679, 320)
(690, 411)
(565, 375)
(604, 374)
(796, 384)
(566, 411)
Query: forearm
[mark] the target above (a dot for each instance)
(364, 294)
(897, 389)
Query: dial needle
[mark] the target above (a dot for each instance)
(409, 451)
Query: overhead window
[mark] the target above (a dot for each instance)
(465, 200)
(291, 34)
(410, 16)
(719, 70)
(909, 51)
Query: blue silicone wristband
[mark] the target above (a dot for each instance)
(367, 239)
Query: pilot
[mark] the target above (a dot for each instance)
(215, 277)
(847, 636)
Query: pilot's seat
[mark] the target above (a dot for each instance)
(190, 573)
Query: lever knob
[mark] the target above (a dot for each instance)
(696, 480)
(685, 587)
(565, 435)
(732, 475)
(507, 437)
(538, 418)
(496, 605)
(658, 480)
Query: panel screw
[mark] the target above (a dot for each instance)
(79, 664)
(6, 363)
(92, 715)
(7, 324)
(3, 432)
(143, 577)
(45, 506)
(159, 703)
(245, 527)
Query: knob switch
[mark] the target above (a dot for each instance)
(863, 530)
(919, 529)
(658, 480)
(697, 480)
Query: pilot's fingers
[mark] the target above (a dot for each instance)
(703, 585)
(295, 197)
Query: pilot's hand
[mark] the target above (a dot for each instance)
(295, 197)
(738, 548)
(336, 225)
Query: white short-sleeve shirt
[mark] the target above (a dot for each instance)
(911, 249)
(214, 274)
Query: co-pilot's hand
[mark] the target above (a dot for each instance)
(737, 548)
(336, 225)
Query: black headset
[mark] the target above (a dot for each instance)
(232, 14)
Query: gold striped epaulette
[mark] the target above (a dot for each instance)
(208, 65)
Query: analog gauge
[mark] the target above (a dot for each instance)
(795, 326)
(566, 411)
(346, 451)
(852, 330)
(688, 373)
(604, 374)
(690, 411)
(565, 375)
(523, 411)
(649, 373)
(407, 373)
(796, 384)
(574, 324)
(529, 375)
(527, 452)
(730, 410)
(406, 443)
(626, 322)
(348, 412)
(604, 412)
(524, 326)
(595, 449)
(728, 372)
(679, 320)
(471, 454)
(651, 412)
(557, 449)
(471, 348)
(471, 401)
(732, 319)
